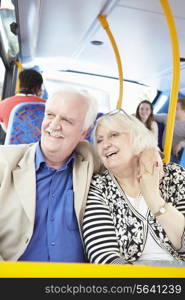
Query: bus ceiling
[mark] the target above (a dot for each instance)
(63, 35)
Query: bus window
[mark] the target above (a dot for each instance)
(102, 86)
(9, 32)
(2, 73)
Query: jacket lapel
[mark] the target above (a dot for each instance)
(79, 185)
(25, 183)
(84, 165)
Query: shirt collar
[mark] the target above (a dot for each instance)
(39, 159)
(21, 94)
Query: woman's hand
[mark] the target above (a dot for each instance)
(150, 173)
(148, 159)
(150, 165)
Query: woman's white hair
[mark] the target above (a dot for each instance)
(91, 102)
(141, 137)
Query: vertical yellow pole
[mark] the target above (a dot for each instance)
(105, 25)
(175, 80)
(19, 66)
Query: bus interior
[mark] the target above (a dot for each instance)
(123, 51)
(70, 44)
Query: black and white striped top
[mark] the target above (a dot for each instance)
(115, 232)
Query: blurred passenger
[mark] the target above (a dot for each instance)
(44, 185)
(178, 142)
(132, 202)
(30, 91)
(144, 113)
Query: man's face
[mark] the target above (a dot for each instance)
(179, 111)
(62, 127)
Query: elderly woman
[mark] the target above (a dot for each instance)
(134, 211)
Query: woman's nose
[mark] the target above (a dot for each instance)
(106, 144)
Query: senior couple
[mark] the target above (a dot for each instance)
(64, 200)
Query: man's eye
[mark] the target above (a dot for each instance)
(49, 115)
(67, 121)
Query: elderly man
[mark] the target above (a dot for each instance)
(44, 185)
(178, 142)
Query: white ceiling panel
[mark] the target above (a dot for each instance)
(60, 33)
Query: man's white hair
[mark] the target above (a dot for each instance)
(89, 99)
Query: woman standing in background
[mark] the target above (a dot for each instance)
(144, 113)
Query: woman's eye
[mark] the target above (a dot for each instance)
(98, 141)
(114, 134)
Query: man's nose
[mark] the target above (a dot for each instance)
(56, 123)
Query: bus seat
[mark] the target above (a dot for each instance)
(182, 158)
(160, 134)
(24, 124)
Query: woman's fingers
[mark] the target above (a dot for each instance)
(148, 159)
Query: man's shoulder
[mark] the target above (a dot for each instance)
(84, 145)
(86, 152)
(11, 153)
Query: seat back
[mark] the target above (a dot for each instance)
(24, 124)
(89, 136)
(160, 135)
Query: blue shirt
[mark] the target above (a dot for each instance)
(56, 234)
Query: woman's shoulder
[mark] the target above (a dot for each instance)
(154, 123)
(101, 175)
(173, 169)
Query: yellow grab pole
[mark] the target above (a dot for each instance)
(175, 81)
(19, 66)
(105, 25)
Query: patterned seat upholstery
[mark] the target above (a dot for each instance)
(89, 136)
(25, 121)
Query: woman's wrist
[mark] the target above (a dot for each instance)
(154, 202)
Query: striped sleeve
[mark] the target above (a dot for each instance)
(98, 231)
(181, 206)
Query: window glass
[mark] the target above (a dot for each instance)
(8, 32)
(105, 89)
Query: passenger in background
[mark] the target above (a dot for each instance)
(30, 91)
(178, 142)
(144, 113)
(44, 185)
(132, 202)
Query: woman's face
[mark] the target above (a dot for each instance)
(114, 145)
(144, 111)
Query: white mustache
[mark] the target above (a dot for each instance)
(54, 133)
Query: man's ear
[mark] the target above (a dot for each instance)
(84, 134)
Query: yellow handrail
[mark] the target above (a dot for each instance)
(175, 81)
(86, 270)
(20, 67)
(105, 25)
